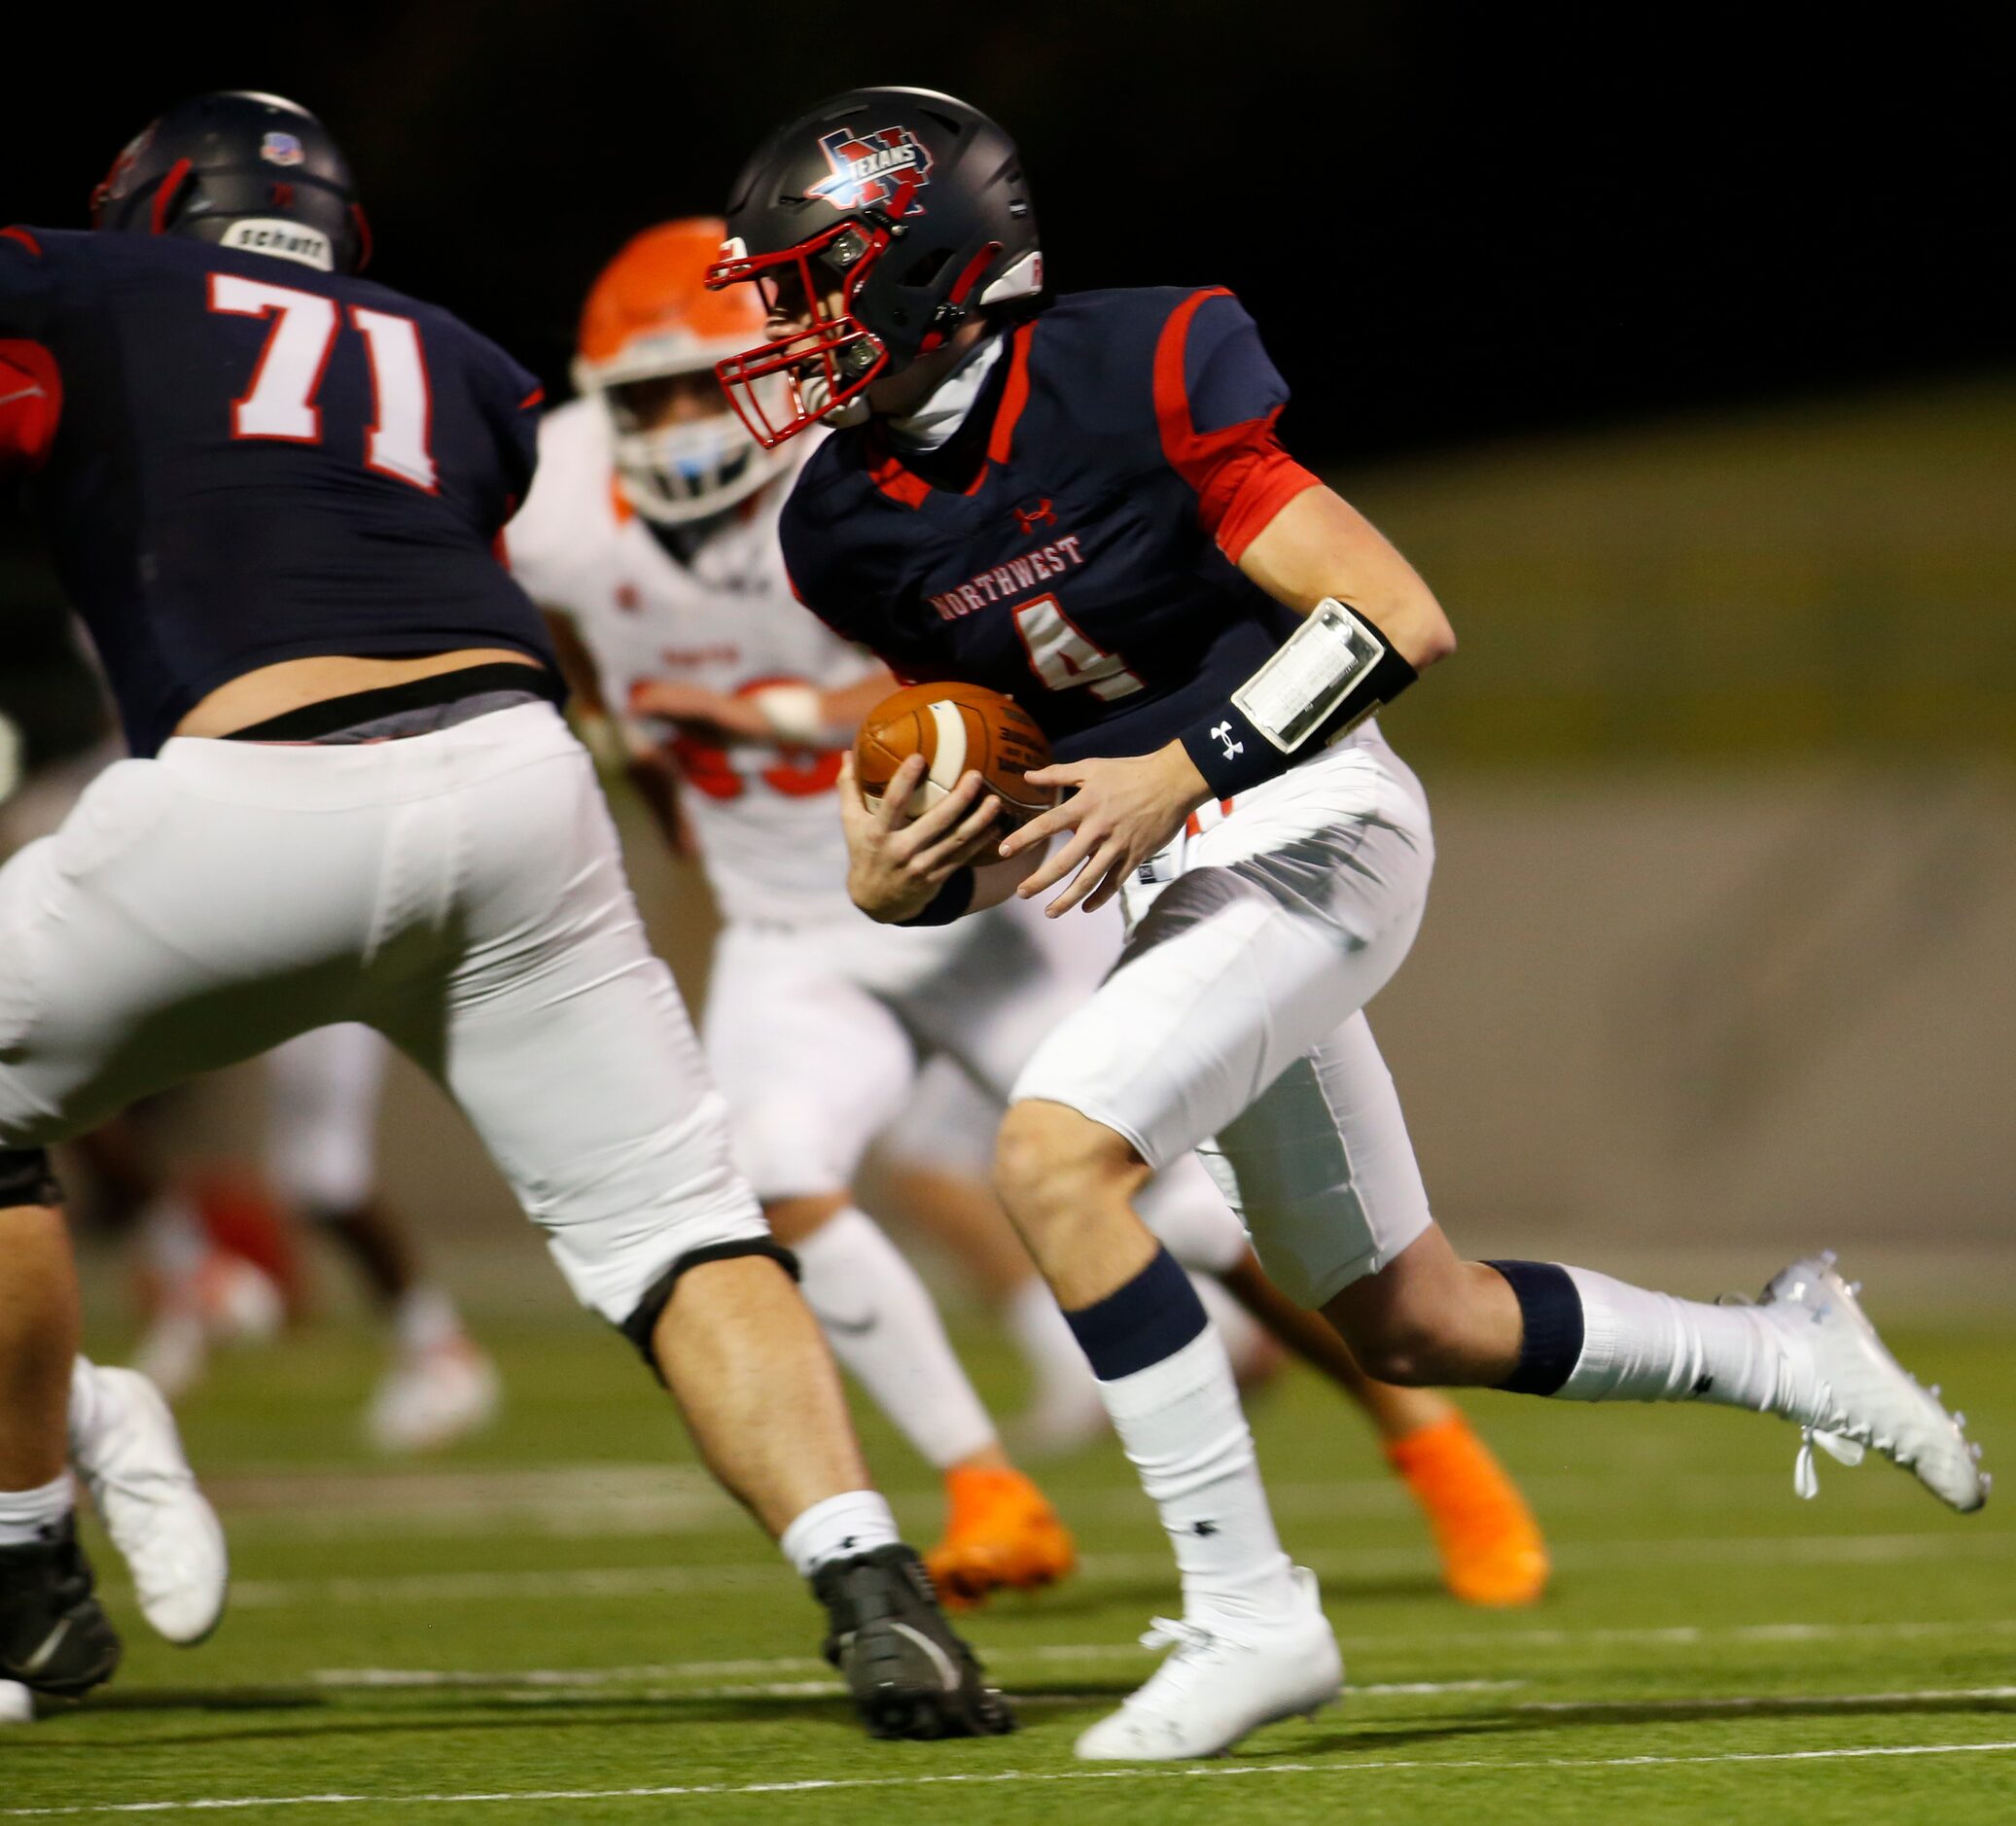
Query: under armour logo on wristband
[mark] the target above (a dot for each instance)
(1222, 732)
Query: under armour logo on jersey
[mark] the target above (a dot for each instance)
(1206, 1528)
(1039, 514)
(1222, 732)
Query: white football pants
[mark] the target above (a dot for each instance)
(460, 891)
(1232, 1022)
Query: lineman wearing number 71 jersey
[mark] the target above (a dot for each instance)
(275, 490)
(1082, 503)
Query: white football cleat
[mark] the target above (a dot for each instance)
(1226, 1678)
(16, 1704)
(430, 1397)
(1858, 1394)
(131, 1460)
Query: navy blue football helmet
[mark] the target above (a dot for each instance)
(911, 206)
(239, 169)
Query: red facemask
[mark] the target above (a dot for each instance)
(814, 370)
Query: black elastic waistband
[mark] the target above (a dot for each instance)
(335, 713)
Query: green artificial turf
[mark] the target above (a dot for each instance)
(565, 1609)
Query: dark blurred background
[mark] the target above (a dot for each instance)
(1676, 345)
(1453, 221)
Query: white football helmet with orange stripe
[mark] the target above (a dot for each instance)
(650, 323)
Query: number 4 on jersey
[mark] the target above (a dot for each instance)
(280, 401)
(1064, 659)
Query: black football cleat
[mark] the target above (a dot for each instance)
(909, 1674)
(53, 1637)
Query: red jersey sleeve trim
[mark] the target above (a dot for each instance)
(1249, 491)
(537, 397)
(26, 239)
(1240, 474)
(31, 404)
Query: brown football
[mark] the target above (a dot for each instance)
(957, 729)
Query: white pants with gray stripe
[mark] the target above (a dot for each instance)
(1233, 1022)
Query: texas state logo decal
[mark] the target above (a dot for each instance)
(868, 169)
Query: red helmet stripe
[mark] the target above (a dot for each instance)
(165, 197)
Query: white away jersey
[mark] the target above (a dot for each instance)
(765, 817)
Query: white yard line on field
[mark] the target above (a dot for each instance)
(381, 1679)
(1024, 1700)
(1765, 1702)
(1357, 1562)
(1001, 1779)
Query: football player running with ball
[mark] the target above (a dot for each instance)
(652, 531)
(1082, 504)
(273, 489)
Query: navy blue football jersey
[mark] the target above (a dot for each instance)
(1089, 571)
(241, 460)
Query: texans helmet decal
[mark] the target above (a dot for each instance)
(867, 168)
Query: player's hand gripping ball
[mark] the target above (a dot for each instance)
(958, 729)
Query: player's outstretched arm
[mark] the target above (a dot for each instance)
(1319, 547)
(800, 714)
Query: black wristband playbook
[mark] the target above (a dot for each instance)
(1235, 754)
(950, 902)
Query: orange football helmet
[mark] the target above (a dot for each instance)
(651, 317)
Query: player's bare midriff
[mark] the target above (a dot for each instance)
(268, 691)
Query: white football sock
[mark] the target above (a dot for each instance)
(1180, 1423)
(880, 1321)
(1640, 1345)
(27, 1516)
(855, 1522)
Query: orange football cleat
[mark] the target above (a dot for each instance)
(1001, 1534)
(1491, 1546)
